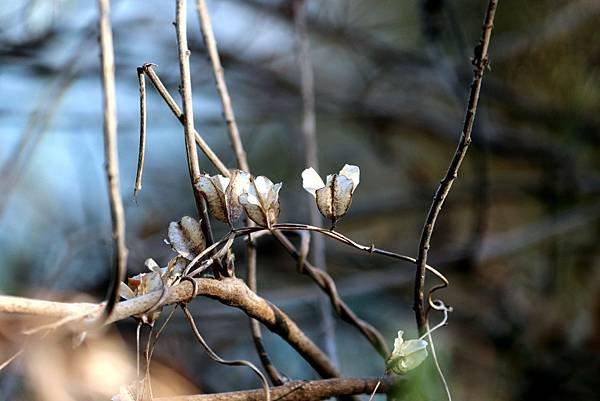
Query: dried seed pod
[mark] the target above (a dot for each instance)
(186, 238)
(334, 197)
(261, 201)
(222, 193)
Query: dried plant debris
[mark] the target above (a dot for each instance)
(261, 201)
(186, 238)
(222, 194)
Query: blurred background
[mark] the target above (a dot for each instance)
(517, 236)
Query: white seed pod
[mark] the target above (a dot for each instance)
(406, 355)
(186, 238)
(334, 197)
(261, 201)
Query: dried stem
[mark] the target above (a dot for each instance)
(220, 360)
(242, 162)
(142, 149)
(229, 291)
(188, 113)
(303, 390)
(213, 54)
(480, 62)
(164, 93)
(311, 159)
(111, 155)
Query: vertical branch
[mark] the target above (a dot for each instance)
(111, 155)
(242, 162)
(480, 62)
(142, 149)
(188, 113)
(311, 159)
(213, 54)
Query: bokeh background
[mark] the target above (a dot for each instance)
(517, 236)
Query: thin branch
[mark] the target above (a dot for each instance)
(242, 161)
(480, 63)
(211, 47)
(220, 360)
(188, 121)
(276, 378)
(326, 283)
(229, 291)
(303, 390)
(142, 149)
(311, 159)
(164, 93)
(111, 155)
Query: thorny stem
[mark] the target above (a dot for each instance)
(117, 213)
(480, 62)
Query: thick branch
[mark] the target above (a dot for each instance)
(301, 390)
(480, 63)
(229, 291)
(117, 213)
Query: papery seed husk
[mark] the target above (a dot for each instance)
(210, 187)
(186, 237)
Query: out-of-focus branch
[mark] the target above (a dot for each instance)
(164, 93)
(302, 390)
(211, 47)
(311, 159)
(229, 291)
(111, 155)
(480, 63)
(240, 154)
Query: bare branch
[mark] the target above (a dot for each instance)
(311, 159)
(229, 291)
(162, 90)
(302, 390)
(142, 149)
(211, 47)
(111, 155)
(480, 63)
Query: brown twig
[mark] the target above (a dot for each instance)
(311, 159)
(211, 48)
(188, 120)
(164, 93)
(303, 390)
(480, 63)
(242, 162)
(229, 291)
(326, 283)
(217, 358)
(111, 155)
(142, 149)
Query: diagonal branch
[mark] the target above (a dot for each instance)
(111, 155)
(164, 93)
(480, 62)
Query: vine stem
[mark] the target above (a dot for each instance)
(111, 155)
(480, 62)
